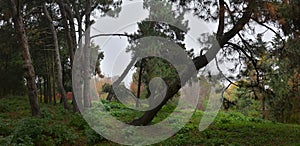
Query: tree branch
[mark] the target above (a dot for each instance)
(117, 34)
(221, 19)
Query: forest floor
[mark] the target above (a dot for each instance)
(60, 127)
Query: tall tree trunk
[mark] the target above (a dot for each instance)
(45, 87)
(74, 44)
(78, 83)
(139, 83)
(87, 54)
(67, 29)
(28, 67)
(70, 34)
(53, 84)
(53, 77)
(48, 88)
(264, 107)
(47, 76)
(57, 60)
(41, 88)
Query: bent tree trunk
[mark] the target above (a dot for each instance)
(29, 72)
(57, 60)
(200, 61)
(121, 78)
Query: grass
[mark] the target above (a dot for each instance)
(60, 127)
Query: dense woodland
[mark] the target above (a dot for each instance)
(260, 90)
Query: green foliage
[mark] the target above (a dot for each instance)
(28, 129)
(46, 114)
(4, 130)
(92, 137)
(61, 134)
(78, 122)
(61, 127)
(5, 141)
(4, 107)
(232, 117)
(11, 69)
(36, 130)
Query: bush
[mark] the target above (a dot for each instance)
(3, 107)
(5, 141)
(92, 136)
(233, 117)
(61, 134)
(31, 131)
(28, 130)
(78, 122)
(46, 114)
(4, 130)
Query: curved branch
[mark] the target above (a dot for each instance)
(251, 58)
(218, 67)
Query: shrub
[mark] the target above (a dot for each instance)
(46, 114)
(5, 141)
(78, 121)
(3, 107)
(92, 136)
(4, 130)
(61, 134)
(28, 130)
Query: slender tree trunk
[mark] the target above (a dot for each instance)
(57, 60)
(87, 54)
(70, 34)
(47, 78)
(28, 67)
(54, 87)
(67, 29)
(139, 83)
(45, 88)
(53, 78)
(41, 88)
(78, 87)
(264, 107)
(74, 44)
(49, 93)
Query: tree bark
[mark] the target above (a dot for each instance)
(45, 87)
(41, 90)
(70, 34)
(57, 59)
(53, 76)
(139, 83)
(46, 99)
(67, 29)
(29, 72)
(87, 54)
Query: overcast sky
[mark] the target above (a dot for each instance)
(115, 57)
